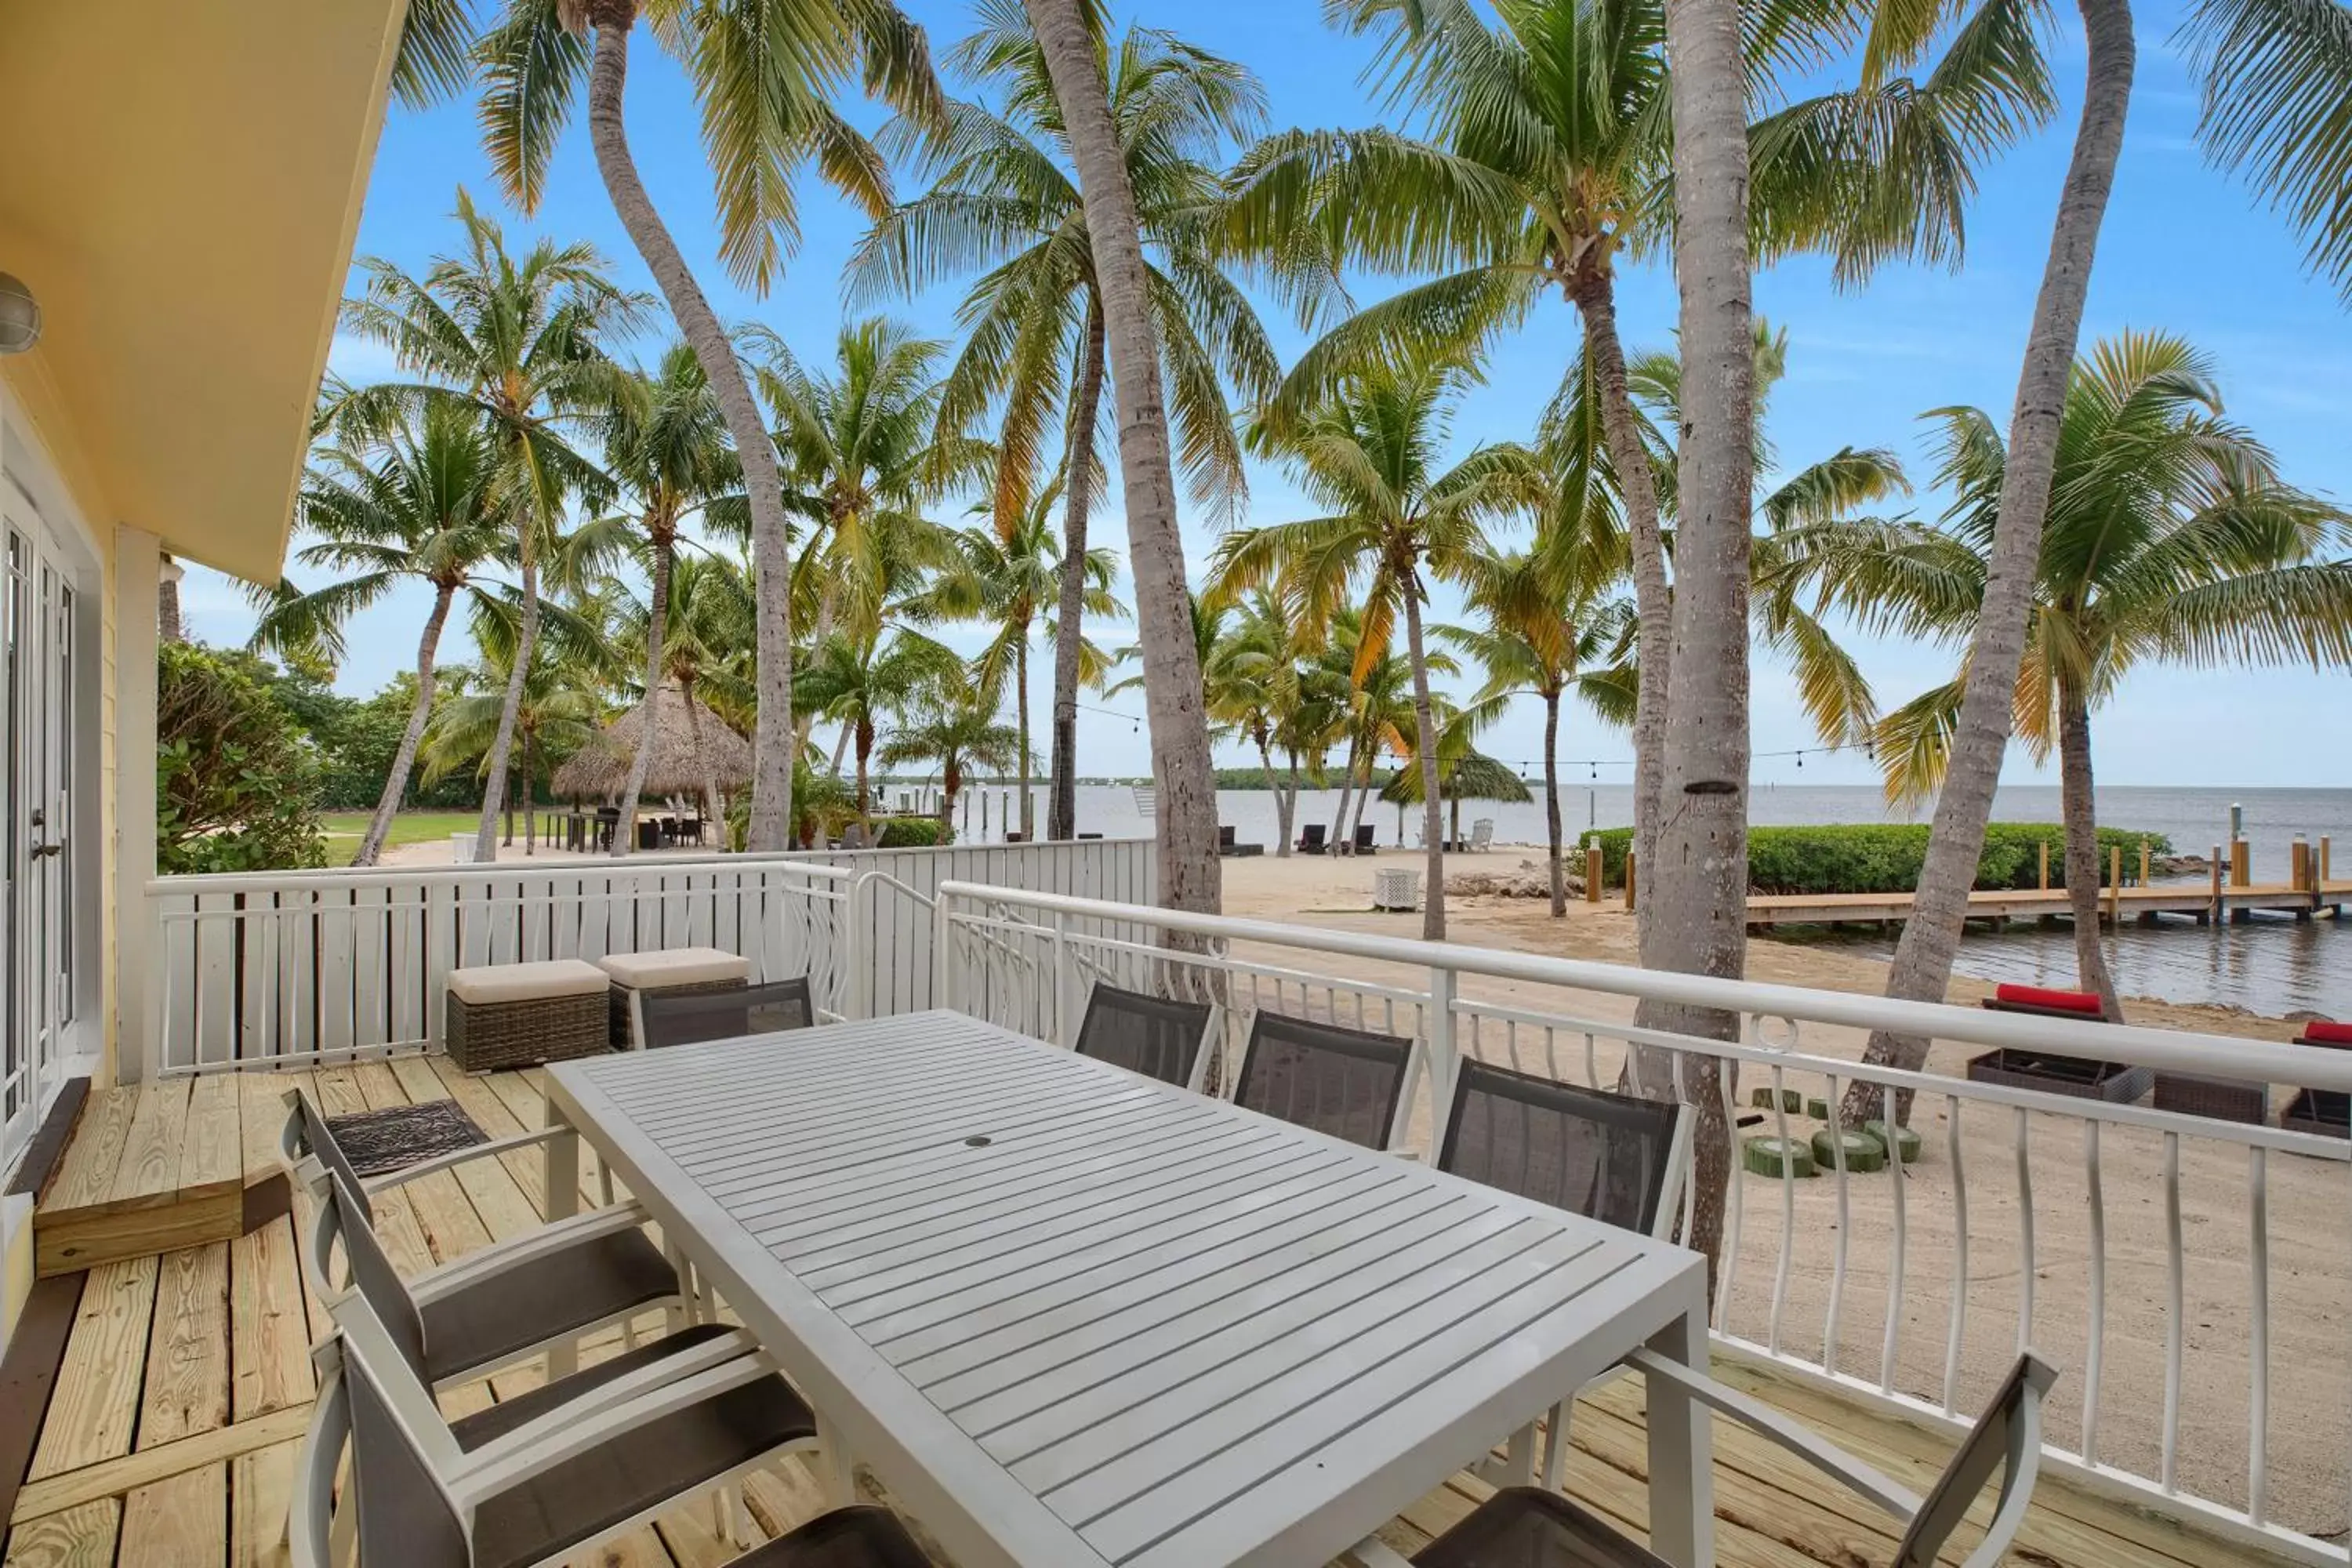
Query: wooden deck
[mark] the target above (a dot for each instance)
(185, 1388)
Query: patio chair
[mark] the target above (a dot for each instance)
(683, 1017)
(548, 1476)
(1482, 835)
(1609, 1157)
(1154, 1036)
(588, 1270)
(1349, 1083)
(1310, 838)
(497, 1306)
(1530, 1527)
(1363, 845)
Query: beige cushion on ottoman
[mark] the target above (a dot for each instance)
(677, 966)
(509, 1014)
(527, 982)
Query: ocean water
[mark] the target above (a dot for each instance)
(2271, 966)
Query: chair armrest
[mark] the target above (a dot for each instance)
(392, 1179)
(601, 1414)
(484, 1262)
(1793, 1435)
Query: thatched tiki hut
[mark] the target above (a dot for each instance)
(694, 754)
(1473, 776)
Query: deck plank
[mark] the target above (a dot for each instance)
(212, 1145)
(269, 1337)
(95, 1410)
(150, 1167)
(80, 1537)
(182, 1520)
(128, 1472)
(261, 1490)
(86, 1176)
(188, 1353)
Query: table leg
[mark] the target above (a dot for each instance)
(559, 1191)
(1682, 1458)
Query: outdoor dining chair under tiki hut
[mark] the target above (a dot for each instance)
(694, 754)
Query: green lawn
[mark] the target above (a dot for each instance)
(407, 828)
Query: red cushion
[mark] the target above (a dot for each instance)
(2326, 1033)
(2042, 996)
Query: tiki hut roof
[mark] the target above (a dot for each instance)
(601, 768)
(1473, 776)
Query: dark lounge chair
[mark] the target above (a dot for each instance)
(1310, 838)
(2085, 1078)
(1363, 845)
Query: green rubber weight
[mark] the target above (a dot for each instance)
(1819, 1109)
(1776, 1157)
(1790, 1100)
(1906, 1142)
(1864, 1154)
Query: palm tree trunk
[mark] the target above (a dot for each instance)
(1274, 786)
(526, 790)
(1922, 969)
(2081, 811)
(1551, 803)
(1695, 881)
(772, 733)
(1346, 793)
(494, 767)
(1424, 722)
(403, 759)
(709, 780)
(1020, 705)
(1077, 465)
(841, 750)
(1595, 293)
(1286, 806)
(656, 631)
(1190, 876)
(865, 750)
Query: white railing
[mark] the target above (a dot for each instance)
(307, 967)
(2189, 1274)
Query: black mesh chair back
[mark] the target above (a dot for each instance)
(2007, 1436)
(666, 1018)
(1149, 1035)
(1609, 1157)
(1345, 1082)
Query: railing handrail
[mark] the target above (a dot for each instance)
(2135, 1044)
(796, 861)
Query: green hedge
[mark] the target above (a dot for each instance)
(908, 833)
(1886, 857)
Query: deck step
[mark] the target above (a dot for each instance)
(155, 1167)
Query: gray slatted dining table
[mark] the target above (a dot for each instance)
(1070, 1316)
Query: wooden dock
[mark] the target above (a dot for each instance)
(185, 1384)
(1998, 906)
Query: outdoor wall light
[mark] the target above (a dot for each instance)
(20, 315)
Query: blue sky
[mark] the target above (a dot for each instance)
(2184, 250)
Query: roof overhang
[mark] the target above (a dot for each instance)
(180, 184)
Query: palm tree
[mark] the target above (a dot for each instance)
(558, 714)
(763, 77)
(1922, 967)
(859, 684)
(1006, 578)
(1549, 155)
(419, 504)
(1257, 686)
(1392, 521)
(519, 344)
(953, 725)
(2171, 539)
(862, 455)
(706, 625)
(665, 442)
(1551, 630)
(1377, 713)
(1190, 876)
(1000, 204)
(2275, 76)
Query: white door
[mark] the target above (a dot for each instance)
(36, 688)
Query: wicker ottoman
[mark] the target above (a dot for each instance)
(2225, 1098)
(686, 969)
(513, 1015)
